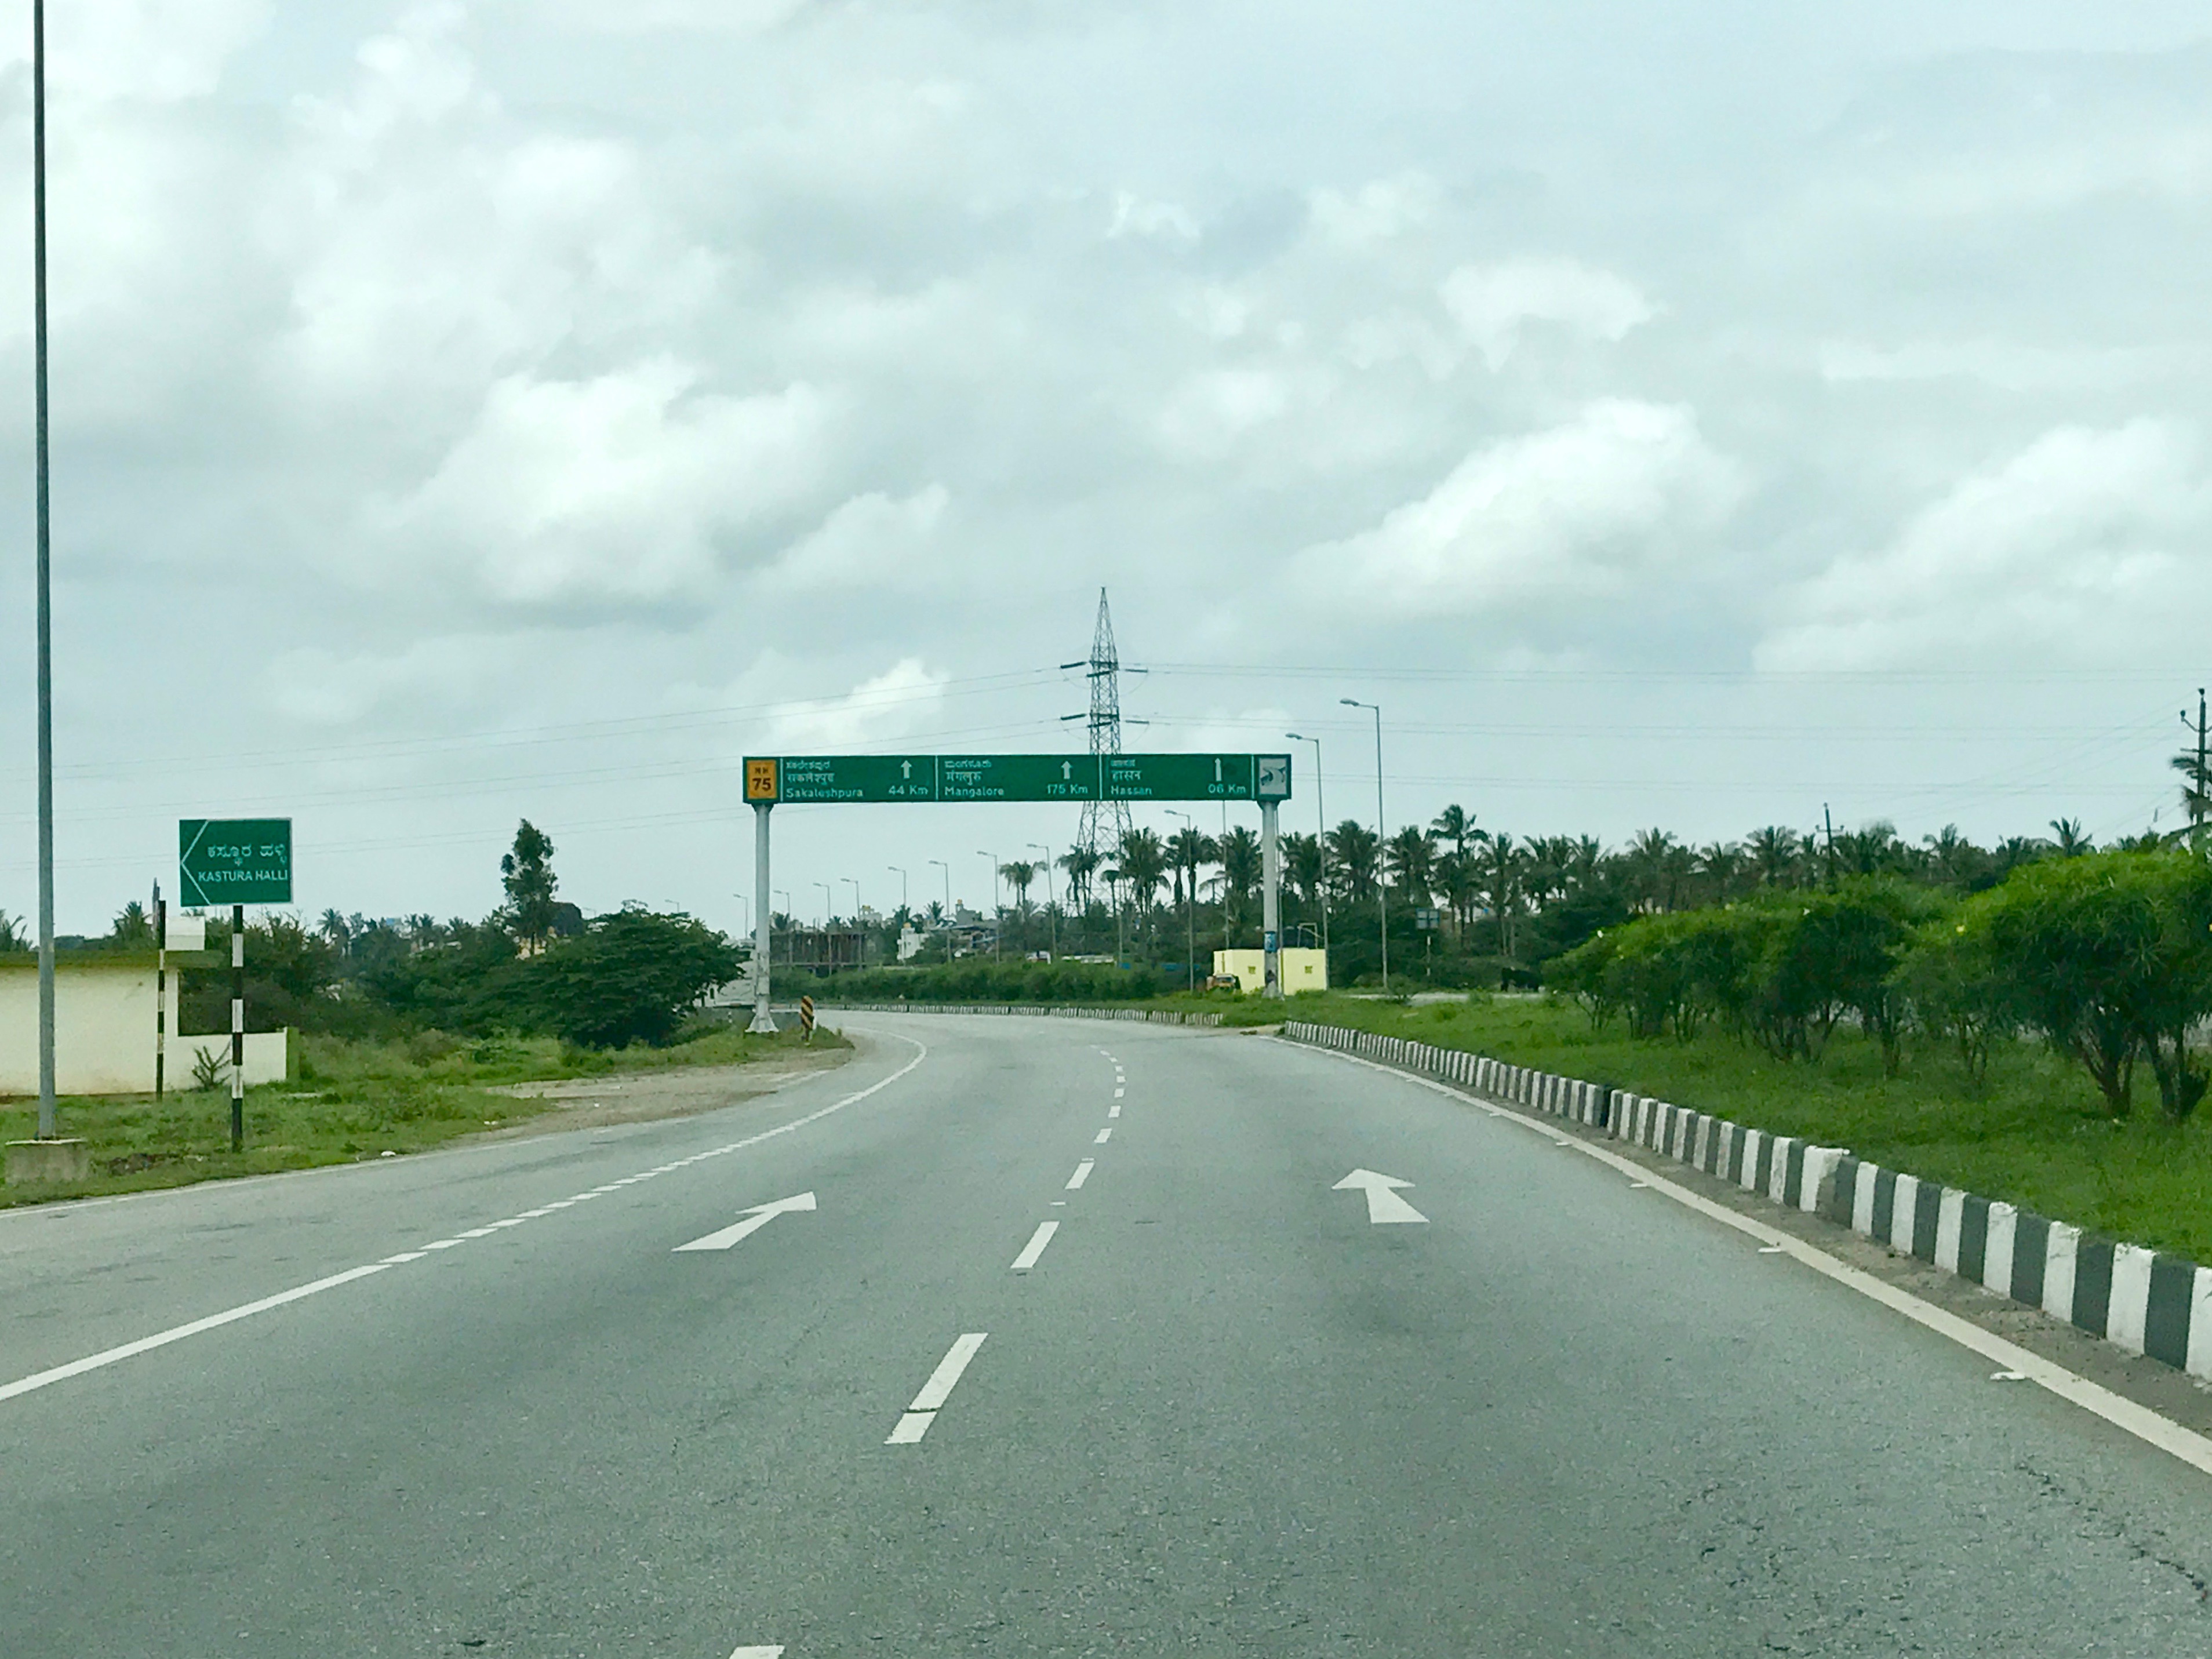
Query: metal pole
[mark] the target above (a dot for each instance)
(160, 989)
(1381, 836)
(1051, 921)
(1271, 885)
(764, 918)
(47, 1127)
(997, 921)
(237, 1028)
(1190, 908)
(1320, 837)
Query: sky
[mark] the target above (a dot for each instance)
(1701, 418)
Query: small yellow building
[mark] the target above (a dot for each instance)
(1302, 969)
(104, 1017)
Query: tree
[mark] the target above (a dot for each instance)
(1144, 865)
(132, 925)
(1455, 872)
(1352, 857)
(1019, 874)
(631, 978)
(1242, 873)
(1502, 869)
(1660, 865)
(1774, 854)
(336, 929)
(526, 873)
(2070, 842)
(1081, 864)
(1189, 849)
(1412, 858)
(13, 941)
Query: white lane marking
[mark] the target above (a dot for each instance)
(477, 1232)
(2122, 1413)
(1117, 1094)
(910, 1428)
(1035, 1248)
(1770, 1249)
(403, 1256)
(1104, 1135)
(2008, 1376)
(1114, 1110)
(229, 1316)
(1384, 1207)
(1060, 1204)
(755, 1218)
(758, 1653)
(1082, 1174)
(942, 1381)
(179, 1332)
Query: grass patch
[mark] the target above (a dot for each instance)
(2035, 1135)
(352, 1101)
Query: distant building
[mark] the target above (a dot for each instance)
(1301, 970)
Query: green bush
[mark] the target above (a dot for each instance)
(631, 977)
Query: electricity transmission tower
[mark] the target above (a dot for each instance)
(1104, 822)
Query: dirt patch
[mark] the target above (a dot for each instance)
(592, 1103)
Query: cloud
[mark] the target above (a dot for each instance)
(871, 542)
(1210, 410)
(2081, 547)
(1581, 510)
(1493, 304)
(902, 699)
(1156, 221)
(1377, 211)
(617, 487)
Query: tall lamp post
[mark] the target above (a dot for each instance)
(996, 919)
(854, 884)
(48, 1129)
(901, 874)
(1381, 835)
(1051, 921)
(1189, 909)
(1321, 836)
(947, 868)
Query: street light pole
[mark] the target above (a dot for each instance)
(1052, 921)
(1189, 909)
(1320, 837)
(947, 868)
(998, 920)
(901, 874)
(1381, 835)
(48, 1128)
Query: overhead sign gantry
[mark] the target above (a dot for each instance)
(916, 780)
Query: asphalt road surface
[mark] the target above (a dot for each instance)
(1217, 1410)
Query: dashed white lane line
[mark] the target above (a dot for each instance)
(922, 1413)
(1117, 1094)
(1035, 1248)
(108, 1356)
(1082, 1174)
(1114, 1110)
(758, 1653)
(1104, 1135)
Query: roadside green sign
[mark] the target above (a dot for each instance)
(233, 861)
(797, 780)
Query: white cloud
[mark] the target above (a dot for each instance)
(1378, 211)
(1166, 221)
(904, 698)
(647, 16)
(616, 487)
(2083, 546)
(1492, 304)
(1211, 410)
(1580, 510)
(869, 542)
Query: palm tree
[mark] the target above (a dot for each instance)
(1456, 825)
(335, 931)
(1187, 849)
(1773, 852)
(1352, 861)
(1459, 877)
(1241, 875)
(1144, 866)
(2071, 843)
(1720, 865)
(1019, 874)
(1503, 866)
(1081, 863)
(1658, 863)
(1411, 858)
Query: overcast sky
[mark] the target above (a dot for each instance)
(1686, 416)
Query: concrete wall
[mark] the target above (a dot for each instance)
(104, 1032)
(1302, 969)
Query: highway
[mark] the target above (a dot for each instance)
(1033, 1337)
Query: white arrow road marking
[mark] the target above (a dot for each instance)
(935, 1392)
(1035, 1248)
(1082, 1174)
(1383, 1206)
(755, 1218)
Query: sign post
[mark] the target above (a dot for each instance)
(242, 861)
(810, 780)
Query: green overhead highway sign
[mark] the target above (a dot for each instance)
(799, 780)
(234, 861)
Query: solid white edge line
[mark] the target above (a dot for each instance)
(1082, 1174)
(2122, 1413)
(1035, 1248)
(177, 1334)
(939, 1389)
(758, 1653)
